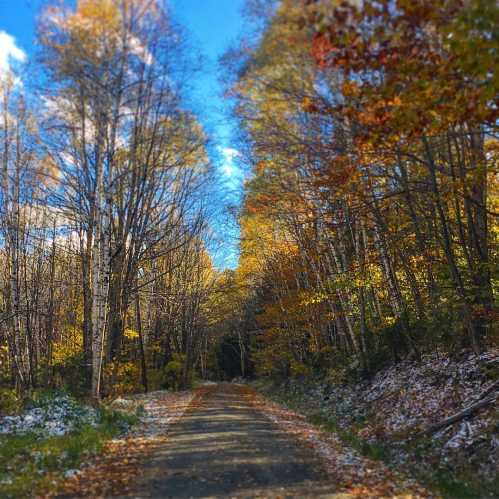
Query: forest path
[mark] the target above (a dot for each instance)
(225, 440)
(225, 447)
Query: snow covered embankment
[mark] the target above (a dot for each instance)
(406, 400)
(395, 410)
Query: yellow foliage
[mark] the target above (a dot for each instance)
(70, 345)
(126, 376)
(131, 334)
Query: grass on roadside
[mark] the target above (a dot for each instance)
(27, 460)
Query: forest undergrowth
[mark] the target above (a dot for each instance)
(51, 435)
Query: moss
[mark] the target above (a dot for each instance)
(467, 486)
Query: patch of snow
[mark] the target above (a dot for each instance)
(52, 417)
(161, 408)
(71, 473)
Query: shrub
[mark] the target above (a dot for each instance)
(123, 377)
(155, 379)
(10, 403)
(174, 373)
(299, 369)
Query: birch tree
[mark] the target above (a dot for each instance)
(114, 130)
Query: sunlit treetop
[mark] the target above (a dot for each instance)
(412, 64)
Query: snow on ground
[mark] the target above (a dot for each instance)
(411, 396)
(395, 408)
(50, 417)
(161, 409)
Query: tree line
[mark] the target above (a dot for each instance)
(369, 228)
(105, 272)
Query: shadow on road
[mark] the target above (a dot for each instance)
(226, 448)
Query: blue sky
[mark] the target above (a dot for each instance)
(211, 25)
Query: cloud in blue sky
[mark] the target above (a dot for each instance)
(10, 53)
(232, 175)
(229, 168)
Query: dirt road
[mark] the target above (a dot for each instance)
(223, 447)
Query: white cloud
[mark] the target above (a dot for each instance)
(228, 167)
(9, 52)
(140, 50)
(228, 152)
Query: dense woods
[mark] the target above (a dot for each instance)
(369, 222)
(369, 228)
